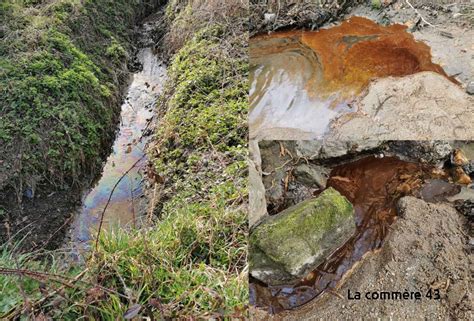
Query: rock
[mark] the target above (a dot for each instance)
(309, 149)
(255, 156)
(317, 149)
(438, 190)
(415, 107)
(470, 88)
(311, 175)
(257, 203)
(334, 148)
(465, 194)
(465, 207)
(288, 245)
(423, 151)
(469, 168)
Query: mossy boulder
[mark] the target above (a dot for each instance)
(288, 245)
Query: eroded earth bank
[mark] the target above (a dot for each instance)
(332, 217)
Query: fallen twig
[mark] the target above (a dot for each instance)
(419, 14)
(152, 207)
(33, 306)
(41, 276)
(110, 197)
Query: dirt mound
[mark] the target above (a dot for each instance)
(426, 249)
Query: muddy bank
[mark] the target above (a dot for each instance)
(294, 172)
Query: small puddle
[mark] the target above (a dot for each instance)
(305, 79)
(373, 186)
(128, 149)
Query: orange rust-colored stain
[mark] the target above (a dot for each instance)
(354, 53)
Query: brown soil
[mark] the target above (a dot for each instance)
(39, 223)
(425, 249)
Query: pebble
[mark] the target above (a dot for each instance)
(269, 17)
(470, 88)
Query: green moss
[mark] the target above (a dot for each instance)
(58, 83)
(376, 4)
(116, 51)
(200, 148)
(307, 228)
(206, 110)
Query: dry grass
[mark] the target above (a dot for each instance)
(186, 17)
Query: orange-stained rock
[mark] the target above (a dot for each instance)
(302, 81)
(353, 53)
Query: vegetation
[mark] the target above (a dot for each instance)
(192, 261)
(201, 149)
(59, 89)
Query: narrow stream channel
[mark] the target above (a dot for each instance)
(128, 155)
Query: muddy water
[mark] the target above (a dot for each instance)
(128, 149)
(373, 186)
(305, 80)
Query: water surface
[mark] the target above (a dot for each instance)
(303, 80)
(128, 149)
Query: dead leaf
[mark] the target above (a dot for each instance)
(94, 294)
(132, 312)
(340, 178)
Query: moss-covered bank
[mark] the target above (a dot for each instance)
(62, 66)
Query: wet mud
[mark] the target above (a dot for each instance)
(373, 186)
(306, 79)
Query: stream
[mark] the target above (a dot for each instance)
(128, 156)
